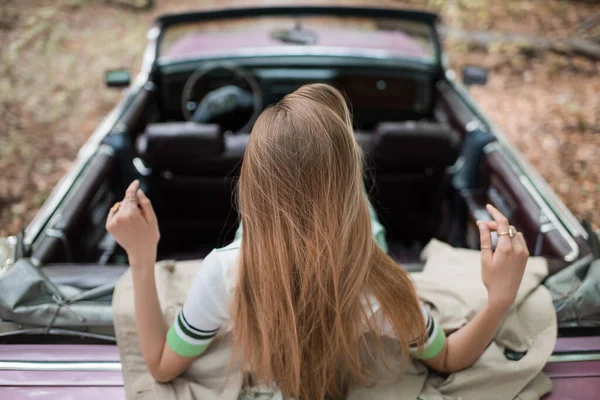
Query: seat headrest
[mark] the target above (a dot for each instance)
(415, 144)
(174, 145)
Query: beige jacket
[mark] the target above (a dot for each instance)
(450, 285)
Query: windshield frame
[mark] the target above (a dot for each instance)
(164, 22)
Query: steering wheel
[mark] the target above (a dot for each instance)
(223, 100)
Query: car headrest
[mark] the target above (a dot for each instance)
(415, 145)
(175, 145)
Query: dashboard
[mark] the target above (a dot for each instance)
(375, 95)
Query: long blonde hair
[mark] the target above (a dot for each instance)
(308, 258)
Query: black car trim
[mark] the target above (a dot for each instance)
(189, 65)
(298, 10)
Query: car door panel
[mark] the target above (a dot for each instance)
(77, 226)
(502, 186)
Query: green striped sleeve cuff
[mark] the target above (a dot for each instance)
(187, 340)
(433, 347)
(182, 347)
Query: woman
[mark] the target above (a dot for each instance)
(309, 275)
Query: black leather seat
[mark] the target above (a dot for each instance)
(410, 161)
(194, 172)
(180, 147)
(194, 169)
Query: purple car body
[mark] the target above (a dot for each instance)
(92, 372)
(60, 372)
(82, 371)
(198, 44)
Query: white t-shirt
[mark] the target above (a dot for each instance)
(207, 308)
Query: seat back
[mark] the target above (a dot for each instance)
(194, 171)
(410, 161)
(179, 146)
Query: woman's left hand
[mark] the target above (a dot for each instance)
(133, 224)
(502, 270)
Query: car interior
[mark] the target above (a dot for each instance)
(430, 168)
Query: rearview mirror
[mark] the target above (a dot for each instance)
(117, 78)
(473, 75)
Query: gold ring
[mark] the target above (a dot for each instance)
(115, 207)
(485, 247)
(511, 233)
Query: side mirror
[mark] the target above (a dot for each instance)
(117, 78)
(473, 75)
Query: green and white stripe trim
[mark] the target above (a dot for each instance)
(187, 340)
(191, 331)
(435, 339)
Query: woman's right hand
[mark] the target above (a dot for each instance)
(501, 270)
(133, 224)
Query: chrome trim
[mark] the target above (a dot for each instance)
(450, 75)
(115, 366)
(106, 149)
(140, 167)
(574, 253)
(60, 366)
(492, 146)
(556, 358)
(563, 214)
(547, 227)
(8, 253)
(289, 51)
(151, 51)
(473, 125)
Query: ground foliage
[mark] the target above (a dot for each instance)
(53, 55)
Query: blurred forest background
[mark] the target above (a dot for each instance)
(543, 92)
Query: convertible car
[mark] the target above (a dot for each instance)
(433, 162)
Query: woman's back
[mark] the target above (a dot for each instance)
(307, 253)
